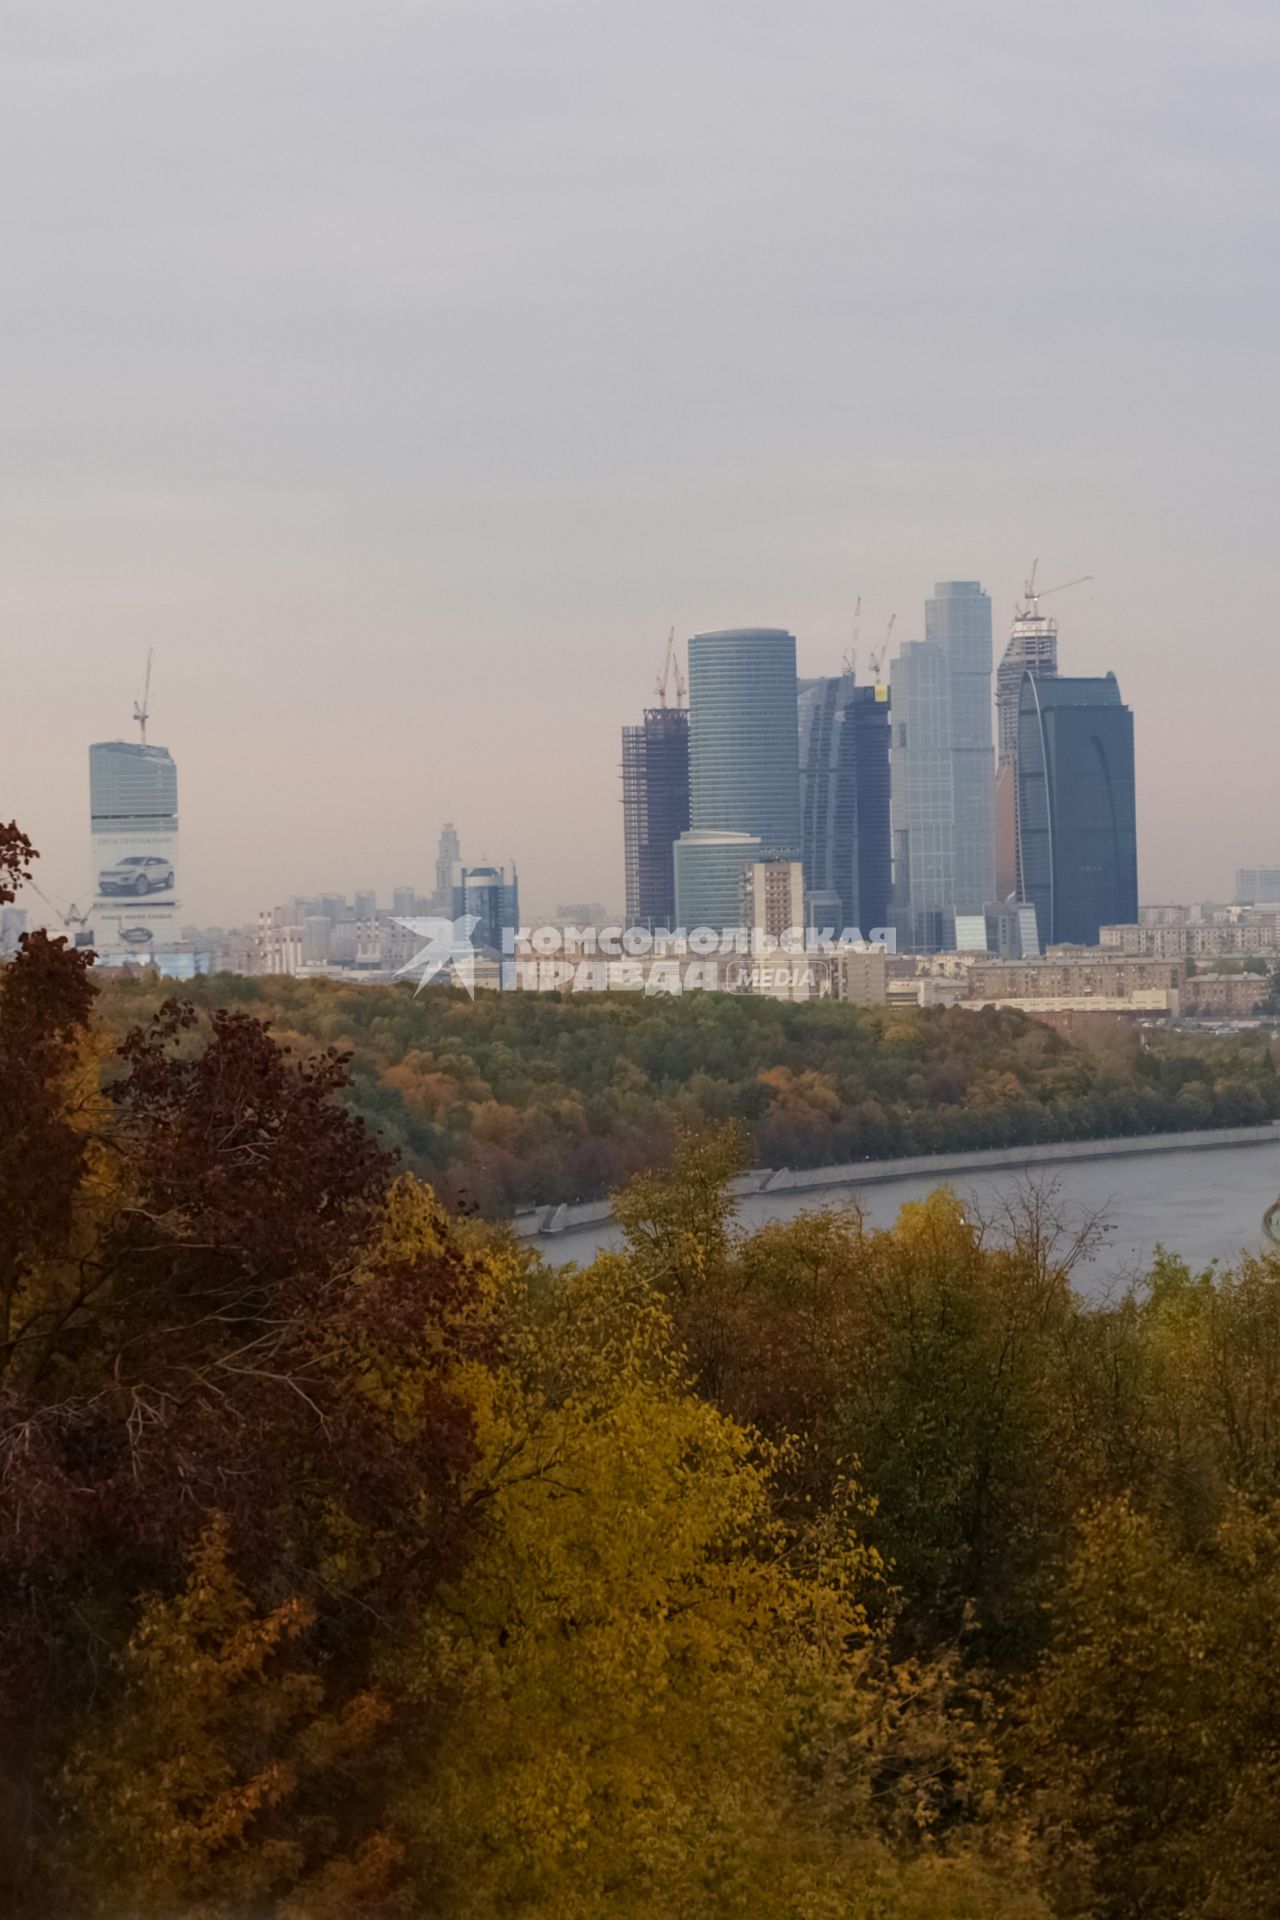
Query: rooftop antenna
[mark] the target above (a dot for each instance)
(140, 707)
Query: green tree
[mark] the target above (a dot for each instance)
(1151, 1727)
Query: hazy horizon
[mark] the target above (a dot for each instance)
(402, 376)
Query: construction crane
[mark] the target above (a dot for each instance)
(1033, 597)
(662, 684)
(140, 713)
(70, 917)
(877, 659)
(849, 660)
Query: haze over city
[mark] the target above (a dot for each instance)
(401, 375)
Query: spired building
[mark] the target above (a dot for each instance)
(133, 807)
(744, 769)
(844, 802)
(943, 769)
(1077, 826)
(655, 812)
(448, 860)
(1032, 648)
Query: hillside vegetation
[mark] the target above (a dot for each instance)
(522, 1098)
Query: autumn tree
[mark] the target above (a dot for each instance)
(936, 1355)
(1151, 1727)
(223, 1319)
(664, 1700)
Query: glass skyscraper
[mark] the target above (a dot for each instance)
(1077, 826)
(655, 812)
(710, 873)
(944, 768)
(492, 898)
(844, 798)
(744, 762)
(1032, 648)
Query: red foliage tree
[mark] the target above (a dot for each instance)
(203, 1301)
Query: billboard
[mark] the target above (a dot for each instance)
(135, 890)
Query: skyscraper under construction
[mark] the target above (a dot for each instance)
(655, 812)
(1033, 649)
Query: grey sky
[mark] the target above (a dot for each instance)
(402, 370)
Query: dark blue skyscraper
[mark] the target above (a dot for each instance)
(1077, 825)
(844, 797)
(655, 812)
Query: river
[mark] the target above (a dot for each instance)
(1202, 1205)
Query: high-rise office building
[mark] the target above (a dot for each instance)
(1077, 823)
(1257, 886)
(744, 758)
(448, 858)
(133, 808)
(655, 812)
(492, 898)
(958, 618)
(943, 768)
(844, 800)
(1032, 648)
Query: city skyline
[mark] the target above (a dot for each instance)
(571, 878)
(405, 430)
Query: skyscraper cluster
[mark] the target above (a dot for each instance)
(895, 803)
(764, 772)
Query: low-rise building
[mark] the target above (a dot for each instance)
(1097, 976)
(1230, 995)
(279, 942)
(1232, 934)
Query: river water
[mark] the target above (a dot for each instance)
(1202, 1205)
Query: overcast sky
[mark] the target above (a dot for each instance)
(402, 370)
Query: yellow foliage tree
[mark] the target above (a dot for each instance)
(206, 1790)
(662, 1703)
(1152, 1725)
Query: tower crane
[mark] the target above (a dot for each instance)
(1033, 595)
(849, 661)
(877, 659)
(663, 681)
(70, 917)
(140, 713)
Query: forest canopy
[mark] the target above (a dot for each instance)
(517, 1099)
(354, 1563)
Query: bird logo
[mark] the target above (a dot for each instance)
(448, 949)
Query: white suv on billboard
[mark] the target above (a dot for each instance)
(137, 873)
